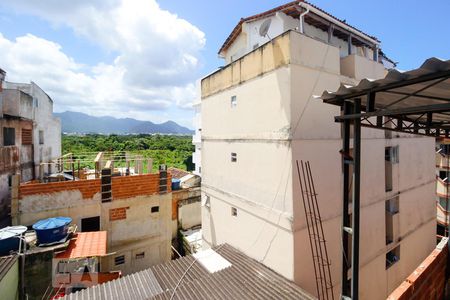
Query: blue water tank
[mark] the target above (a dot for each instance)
(175, 184)
(10, 239)
(52, 230)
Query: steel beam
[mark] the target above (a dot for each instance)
(434, 108)
(345, 288)
(356, 199)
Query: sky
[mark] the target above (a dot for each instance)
(143, 58)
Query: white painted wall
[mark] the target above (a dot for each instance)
(197, 138)
(275, 122)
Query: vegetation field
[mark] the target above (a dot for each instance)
(174, 151)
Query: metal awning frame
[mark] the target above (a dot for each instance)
(413, 119)
(429, 120)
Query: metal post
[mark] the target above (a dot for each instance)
(347, 109)
(356, 198)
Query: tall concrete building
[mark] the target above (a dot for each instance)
(259, 117)
(30, 135)
(197, 138)
(46, 127)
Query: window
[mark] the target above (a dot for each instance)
(200, 169)
(234, 211)
(140, 255)
(392, 257)
(392, 205)
(119, 260)
(442, 174)
(443, 203)
(9, 136)
(207, 201)
(391, 154)
(155, 209)
(90, 224)
(27, 137)
(392, 208)
(388, 168)
(233, 157)
(35, 102)
(41, 137)
(233, 101)
(445, 149)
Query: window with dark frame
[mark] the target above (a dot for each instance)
(155, 209)
(392, 257)
(234, 211)
(9, 136)
(41, 137)
(119, 260)
(140, 255)
(233, 157)
(233, 101)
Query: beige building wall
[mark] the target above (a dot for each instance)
(255, 203)
(142, 236)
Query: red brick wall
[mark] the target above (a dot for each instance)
(118, 213)
(427, 281)
(122, 187)
(132, 186)
(88, 188)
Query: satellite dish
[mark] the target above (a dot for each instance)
(264, 28)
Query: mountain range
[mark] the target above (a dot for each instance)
(76, 122)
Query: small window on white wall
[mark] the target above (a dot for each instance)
(233, 101)
(234, 211)
(233, 157)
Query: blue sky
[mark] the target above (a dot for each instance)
(141, 59)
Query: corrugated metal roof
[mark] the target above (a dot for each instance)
(245, 279)
(86, 244)
(6, 262)
(432, 87)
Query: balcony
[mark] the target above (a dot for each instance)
(359, 67)
(17, 103)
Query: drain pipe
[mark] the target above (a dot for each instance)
(301, 19)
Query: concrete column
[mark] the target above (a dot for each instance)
(162, 179)
(15, 185)
(106, 183)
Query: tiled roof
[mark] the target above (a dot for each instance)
(284, 8)
(177, 173)
(86, 244)
(186, 278)
(6, 262)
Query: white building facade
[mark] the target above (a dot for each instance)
(197, 138)
(259, 117)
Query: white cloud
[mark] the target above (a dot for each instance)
(155, 67)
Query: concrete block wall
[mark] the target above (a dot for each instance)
(428, 280)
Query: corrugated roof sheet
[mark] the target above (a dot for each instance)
(418, 94)
(245, 279)
(86, 244)
(177, 173)
(6, 262)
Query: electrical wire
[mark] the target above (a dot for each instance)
(187, 270)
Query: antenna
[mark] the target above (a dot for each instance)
(264, 28)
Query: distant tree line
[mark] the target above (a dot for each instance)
(172, 150)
